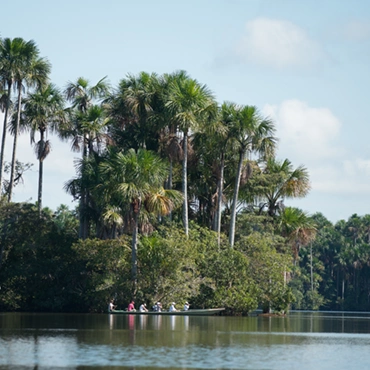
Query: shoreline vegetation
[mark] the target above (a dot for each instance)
(180, 198)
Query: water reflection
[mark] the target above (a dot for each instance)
(143, 319)
(138, 341)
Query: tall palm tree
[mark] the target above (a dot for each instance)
(227, 115)
(82, 95)
(140, 94)
(286, 182)
(15, 57)
(297, 227)
(84, 110)
(87, 123)
(252, 134)
(23, 69)
(189, 104)
(136, 178)
(43, 111)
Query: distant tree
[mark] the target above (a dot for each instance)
(297, 227)
(252, 134)
(43, 112)
(27, 70)
(136, 178)
(284, 182)
(19, 64)
(86, 124)
(189, 104)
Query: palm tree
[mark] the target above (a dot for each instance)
(252, 134)
(43, 111)
(15, 57)
(227, 117)
(82, 95)
(24, 68)
(297, 227)
(84, 112)
(189, 104)
(286, 182)
(136, 178)
(140, 94)
(87, 124)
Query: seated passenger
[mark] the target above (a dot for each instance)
(157, 307)
(131, 306)
(186, 306)
(143, 308)
(172, 307)
(111, 306)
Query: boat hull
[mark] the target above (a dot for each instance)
(195, 312)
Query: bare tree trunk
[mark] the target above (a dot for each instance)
(83, 230)
(134, 254)
(311, 269)
(41, 173)
(3, 139)
(235, 200)
(219, 198)
(15, 142)
(185, 219)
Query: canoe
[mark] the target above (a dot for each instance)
(191, 312)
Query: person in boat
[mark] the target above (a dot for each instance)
(186, 306)
(172, 307)
(111, 306)
(157, 307)
(131, 306)
(143, 308)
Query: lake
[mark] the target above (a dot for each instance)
(301, 340)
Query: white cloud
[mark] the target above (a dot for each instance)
(356, 30)
(305, 133)
(342, 177)
(278, 43)
(308, 136)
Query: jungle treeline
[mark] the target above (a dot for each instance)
(180, 198)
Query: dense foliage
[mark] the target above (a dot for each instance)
(180, 199)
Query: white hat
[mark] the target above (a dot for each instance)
(173, 303)
(186, 303)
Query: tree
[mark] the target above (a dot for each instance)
(227, 117)
(43, 111)
(85, 112)
(289, 183)
(24, 68)
(87, 123)
(297, 227)
(140, 94)
(136, 178)
(252, 134)
(11, 66)
(189, 105)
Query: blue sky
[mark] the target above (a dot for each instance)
(302, 63)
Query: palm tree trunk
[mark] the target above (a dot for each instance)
(219, 198)
(185, 219)
(3, 139)
(83, 230)
(41, 174)
(169, 184)
(134, 253)
(235, 200)
(15, 142)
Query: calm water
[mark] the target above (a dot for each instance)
(80, 341)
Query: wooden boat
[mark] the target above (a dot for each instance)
(191, 312)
